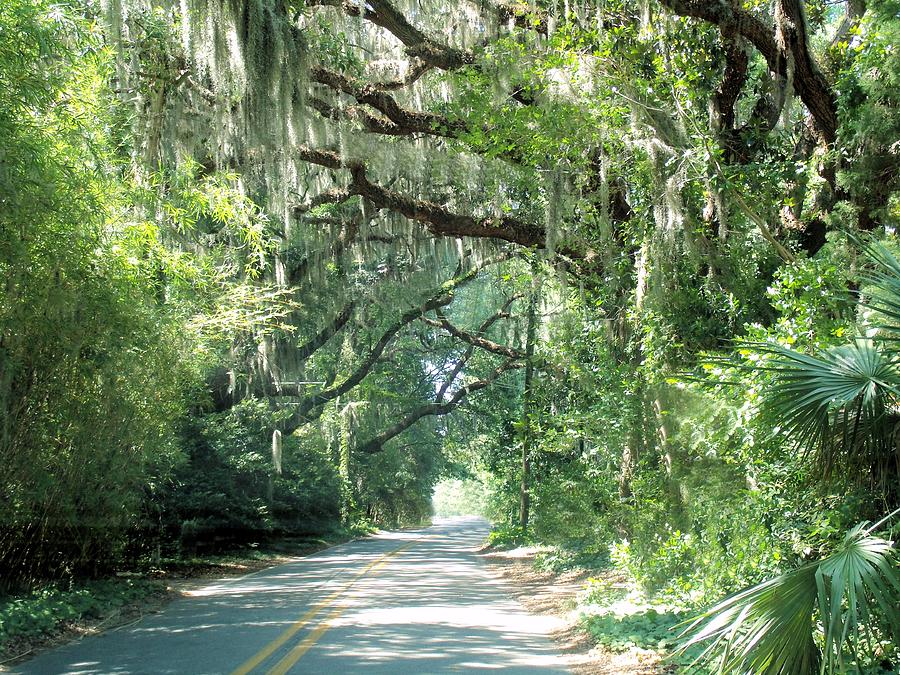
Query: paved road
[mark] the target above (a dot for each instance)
(415, 601)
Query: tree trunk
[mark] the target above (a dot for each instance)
(528, 406)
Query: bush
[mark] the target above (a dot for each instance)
(575, 556)
(45, 609)
(506, 536)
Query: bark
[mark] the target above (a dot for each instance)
(786, 43)
(438, 220)
(809, 81)
(528, 408)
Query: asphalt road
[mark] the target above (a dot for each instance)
(416, 601)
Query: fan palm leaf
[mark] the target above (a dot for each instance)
(839, 404)
(860, 573)
(883, 293)
(769, 629)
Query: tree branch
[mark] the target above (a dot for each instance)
(471, 338)
(788, 40)
(308, 348)
(408, 121)
(376, 444)
(418, 45)
(417, 69)
(306, 409)
(482, 330)
(438, 220)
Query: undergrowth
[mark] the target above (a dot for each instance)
(505, 536)
(559, 559)
(44, 610)
(644, 629)
(620, 618)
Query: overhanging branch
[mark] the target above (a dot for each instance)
(787, 44)
(439, 220)
(376, 444)
(310, 407)
(482, 330)
(418, 45)
(405, 120)
(475, 340)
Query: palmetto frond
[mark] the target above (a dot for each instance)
(883, 294)
(769, 629)
(859, 577)
(839, 404)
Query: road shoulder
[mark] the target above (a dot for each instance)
(160, 588)
(552, 594)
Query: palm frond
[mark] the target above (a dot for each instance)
(766, 629)
(883, 294)
(837, 405)
(858, 575)
(770, 628)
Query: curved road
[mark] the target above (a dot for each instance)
(416, 601)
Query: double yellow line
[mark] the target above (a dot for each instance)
(306, 643)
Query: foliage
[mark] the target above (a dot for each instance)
(621, 621)
(197, 252)
(44, 610)
(220, 496)
(90, 375)
(504, 537)
(456, 497)
(575, 555)
(645, 629)
(770, 628)
(836, 404)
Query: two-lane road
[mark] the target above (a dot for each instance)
(417, 601)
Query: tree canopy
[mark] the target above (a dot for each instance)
(273, 266)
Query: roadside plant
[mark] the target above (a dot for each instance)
(839, 409)
(832, 615)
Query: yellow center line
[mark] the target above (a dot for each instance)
(306, 643)
(298, 625)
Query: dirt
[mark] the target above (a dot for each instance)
(552, 594)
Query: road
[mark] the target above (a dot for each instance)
(413, 601)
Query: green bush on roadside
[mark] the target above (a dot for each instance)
(505, 536)
(577, 556)
(43, 610)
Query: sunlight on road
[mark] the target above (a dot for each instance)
(415, 601)
(470, 616)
